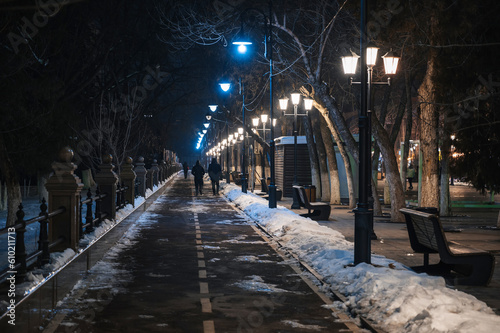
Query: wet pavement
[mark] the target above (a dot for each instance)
(195, 264)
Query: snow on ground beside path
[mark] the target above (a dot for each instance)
(59, 259)
(396, 299)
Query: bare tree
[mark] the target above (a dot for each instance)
(303, 35)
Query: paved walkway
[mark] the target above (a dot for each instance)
(195, 265)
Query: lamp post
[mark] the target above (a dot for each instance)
(244, 182)
(255, 122)
(242, 47)
(283, 106)
(363, 218)
(263, 119)
(225, 86)
(452, 150)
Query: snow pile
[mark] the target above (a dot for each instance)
(396, 299)
(38, 276)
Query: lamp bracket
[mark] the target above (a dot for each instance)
(388, 83)
(298, 114)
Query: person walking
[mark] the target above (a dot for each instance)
(410, 174)
(197, 171)
(215, 172)
(185, 168)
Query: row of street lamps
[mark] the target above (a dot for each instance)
(364, 211)
(238, 136)
(308, 103)
(295, 97)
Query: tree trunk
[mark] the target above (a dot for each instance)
(11, 181)
(343, 153)
(313, 154)
(377, 207)
(326, 134)
(387, 193)
(391, 170)
(322, 156)
(429, 135)
(444, 200)
(42, 178)
(262, 163)
(408, 129)
(331, 112)
(333, 171)
(3, 196)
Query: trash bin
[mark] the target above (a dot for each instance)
(428, 210)
(310, 192)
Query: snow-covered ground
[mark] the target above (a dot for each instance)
(393, 297)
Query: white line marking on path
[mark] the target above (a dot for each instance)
(208, 326)
(203, 288)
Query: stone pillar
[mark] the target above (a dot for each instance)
(149, 179)
(127, 177)
(141, 172)
(163, 171)
(64, 189)
(155, 170)
(107, 181)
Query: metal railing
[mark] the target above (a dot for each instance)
(87, 224)
(121, 202)
(91, 221)
(42, 254)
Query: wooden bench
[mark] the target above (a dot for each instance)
(318, 211)
(236, 176)
(474, 267)
(265, 191)
(263, 185)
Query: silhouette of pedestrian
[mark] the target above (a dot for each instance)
(410, 174)
(197, 171)
(215, 173)
(185, 168)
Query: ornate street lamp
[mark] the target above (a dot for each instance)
(242, 44)
(363, 218)
(225, 86)
(255, 121)
(307, 106)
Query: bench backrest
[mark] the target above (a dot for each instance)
(304, 200)
(263, 184)
(424, 229)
